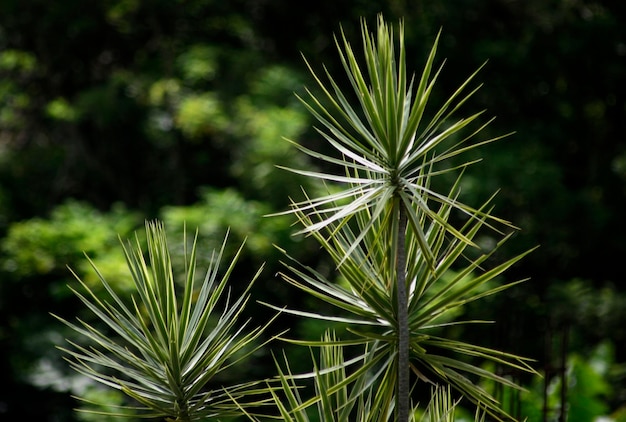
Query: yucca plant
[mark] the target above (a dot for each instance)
(355, 396)
(341, 397)
(442, 408)
(389, 233)
(166, 345)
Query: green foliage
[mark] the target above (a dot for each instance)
(260, 128)
(16, 60)
(198, 63)
(61, 109)
(99, 399)
(587, 384)
(587, 387)
(221, 211)
(200, 115)
(14, 103)
(43, 247)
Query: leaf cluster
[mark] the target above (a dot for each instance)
(165, 349)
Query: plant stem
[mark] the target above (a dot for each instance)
(403, 396)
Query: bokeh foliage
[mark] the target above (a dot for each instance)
(115, 111)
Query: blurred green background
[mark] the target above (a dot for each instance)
(117, 111)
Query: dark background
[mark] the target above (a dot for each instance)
(117, 111)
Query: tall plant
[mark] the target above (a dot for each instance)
(389, 233)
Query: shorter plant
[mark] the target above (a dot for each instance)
(163, 351)
(340, 397)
